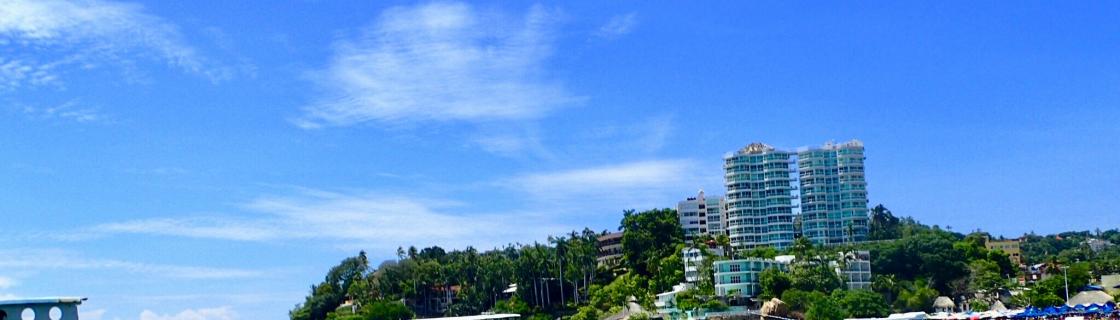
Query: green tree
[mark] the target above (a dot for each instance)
(715, 306)
(513, 305)
(862, 303)
(326, 296)
(803, 249)
(774, 282)
(814, 277)
(648, 237)
(617, 292)
(386, 310)
(688, 300)
(927, 254)
(761, 252)
(825, 309)
(884, 225)
(1037, 298)
(979, 305)
(886, 285)
(985, 277)
(917, 297)
(972, 246)
(586, 313)
(668, 271)
(799, 300)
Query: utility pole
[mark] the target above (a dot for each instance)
(560, 263)
(1065, 275)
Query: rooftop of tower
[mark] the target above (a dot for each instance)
(831, 145)
(757, 147)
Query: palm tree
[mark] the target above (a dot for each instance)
(803, 249)
(725, 242)
(842, 261)
(885, 284)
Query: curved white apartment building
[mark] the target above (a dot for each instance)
(760, 197)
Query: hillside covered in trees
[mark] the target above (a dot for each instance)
(912, 265)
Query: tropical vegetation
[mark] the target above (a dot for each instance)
(561, 278)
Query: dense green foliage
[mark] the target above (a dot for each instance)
(774, 282)
(380, 310)
(329, 294)
(861, 303)
(913, 264)
(825, 309)
(801, 300)
(550, 278)
(884, 225)
(651, 245)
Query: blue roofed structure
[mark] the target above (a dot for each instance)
(55, 308)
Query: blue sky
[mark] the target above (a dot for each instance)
(210, 160)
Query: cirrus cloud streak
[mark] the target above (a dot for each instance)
(440, 62)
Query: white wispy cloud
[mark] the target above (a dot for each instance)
(47, 35)
(521, 141)
(368, 220)
(96, 314)
(70, 110)
(15, 73)
(234, 298)
(221, 313)
(58, 259)
(619, 25)
(6, 282)
(440, 62)
(198, 227)
(636, 136)
(594, 179)
(641, 183)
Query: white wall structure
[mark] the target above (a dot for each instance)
(856, 272)
(694, 260)
(702, 215)
(833, 193)
(761, 196)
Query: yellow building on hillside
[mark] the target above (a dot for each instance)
(1010, 247)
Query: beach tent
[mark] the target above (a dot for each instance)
(998, 307)
(940, 316)
(909, 316)
(1029, 312)
(1090, 297)
(1050, 311)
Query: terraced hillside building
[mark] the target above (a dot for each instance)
(741, 277)
(833, 193)
(610, 249)
(760, 197)
(701, 215)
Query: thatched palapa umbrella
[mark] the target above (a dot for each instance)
(943, 304)
(1090, 297)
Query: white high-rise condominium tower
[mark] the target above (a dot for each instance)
(833, 193)
(701, 216)
(760, 197)
(770, 201)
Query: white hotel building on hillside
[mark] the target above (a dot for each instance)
(701, 215)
